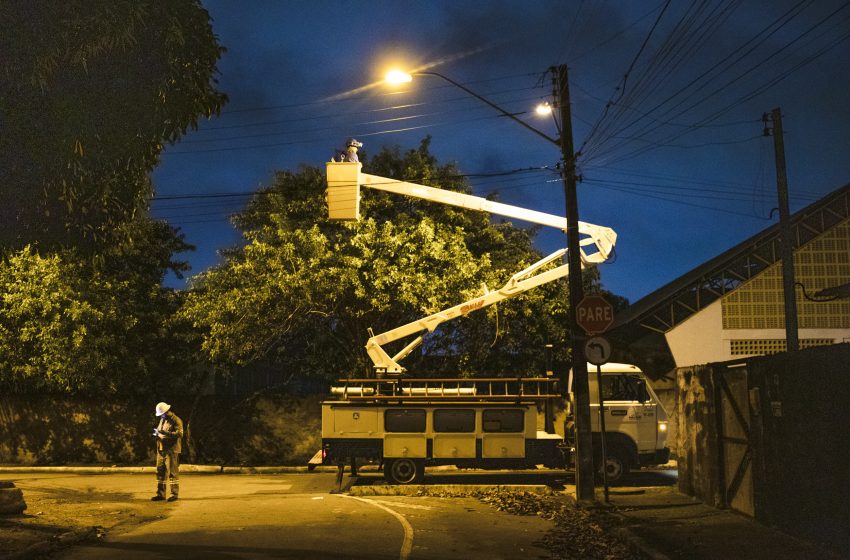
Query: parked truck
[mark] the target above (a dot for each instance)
(636, 422)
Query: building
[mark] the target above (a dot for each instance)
(732, 306)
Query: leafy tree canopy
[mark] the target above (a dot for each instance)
(58, 328)
(303, 291)
(89, 93)
(72, 324)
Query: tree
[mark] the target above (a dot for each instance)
(97, 326)
(89, 93)
(58, 328)
(303, 291)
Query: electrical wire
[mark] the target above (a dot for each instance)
(747, 96)
(722, 65)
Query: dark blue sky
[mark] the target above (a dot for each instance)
(677, 166)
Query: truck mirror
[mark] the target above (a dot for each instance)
(643, 394)
(343, 192)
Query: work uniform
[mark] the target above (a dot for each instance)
(168, 447)
(350, 155)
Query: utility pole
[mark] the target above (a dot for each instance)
(792, 340)
(584, 448)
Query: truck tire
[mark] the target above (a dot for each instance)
(616, 467)
(404, 471)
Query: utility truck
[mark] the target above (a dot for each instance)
(407, 422)
(635, 420)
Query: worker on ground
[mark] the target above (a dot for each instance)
(169, 434)
(350, 153)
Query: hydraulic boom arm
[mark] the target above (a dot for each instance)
(343, 196)
(520, 282)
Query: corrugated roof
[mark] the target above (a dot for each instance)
(671, 304)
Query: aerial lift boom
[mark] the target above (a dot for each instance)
(343, 196)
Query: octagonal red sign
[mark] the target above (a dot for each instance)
(594, 314)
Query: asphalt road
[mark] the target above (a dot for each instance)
(297, 516)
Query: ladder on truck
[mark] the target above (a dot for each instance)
(491, 389)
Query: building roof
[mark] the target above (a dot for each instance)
(669, 305)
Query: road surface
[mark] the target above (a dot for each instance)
(293, 516)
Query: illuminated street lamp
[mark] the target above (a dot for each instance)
(543, 109)
(584, 461)
(397, 77)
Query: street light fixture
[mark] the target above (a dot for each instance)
(584, 460)
(397, 77)
(543, 109)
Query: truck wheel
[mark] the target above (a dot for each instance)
(403, 471)
(616, 466)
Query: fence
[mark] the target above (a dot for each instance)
(770, 437)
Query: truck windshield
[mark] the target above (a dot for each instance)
(623, 388)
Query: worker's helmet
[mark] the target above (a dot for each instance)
(353, 142)
(162, 408)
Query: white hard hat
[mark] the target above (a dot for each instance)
(162, 408)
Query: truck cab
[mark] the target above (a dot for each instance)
(635, 420)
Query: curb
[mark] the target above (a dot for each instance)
(184, 469)
(623, 533)
(40, 549)
(638, 544)
(443, 489)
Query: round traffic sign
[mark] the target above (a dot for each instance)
(597, 350)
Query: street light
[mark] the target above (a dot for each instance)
(397, 77)
(584, 461)
(543, 109)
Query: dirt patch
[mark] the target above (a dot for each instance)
(58, 517)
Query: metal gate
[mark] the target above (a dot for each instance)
(736, 438)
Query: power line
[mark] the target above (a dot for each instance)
(725, 63)
(724, 87)
(680, 202)
(334, 127)
(306, 104)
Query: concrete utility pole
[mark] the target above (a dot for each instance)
(584, 446)
(792, 340)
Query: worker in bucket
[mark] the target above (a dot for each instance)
(169, 434)
(350, 153)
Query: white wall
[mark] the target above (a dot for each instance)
(700, 339)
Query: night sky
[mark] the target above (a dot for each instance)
(677, 165)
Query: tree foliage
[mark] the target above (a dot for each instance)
(89, 93)
(69, 324)
(303, 291)
(58, 329)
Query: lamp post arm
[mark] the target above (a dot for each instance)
(493, 105)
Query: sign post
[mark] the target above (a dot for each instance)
(598, 350)
(595, 314)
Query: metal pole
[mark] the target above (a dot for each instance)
(602, 430)
(792, 340)
(549, 409)
(584, 448)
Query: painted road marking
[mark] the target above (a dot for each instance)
(407, 544)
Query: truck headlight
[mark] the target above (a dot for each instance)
(662, 426)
